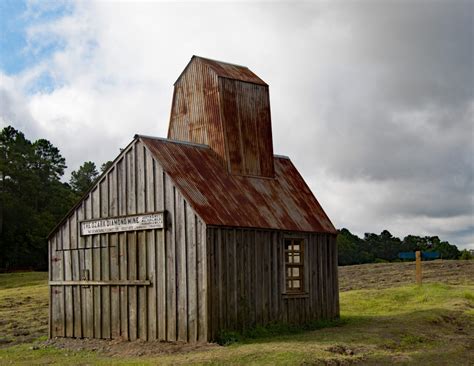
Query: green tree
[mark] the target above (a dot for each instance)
(348, 246)
(84, 177)
(105, 166)
(32, 198)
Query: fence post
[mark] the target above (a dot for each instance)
(418, 268)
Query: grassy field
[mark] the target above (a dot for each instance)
(394, 323)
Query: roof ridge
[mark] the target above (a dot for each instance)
(163, 139)
(219, 61)
(281, 156)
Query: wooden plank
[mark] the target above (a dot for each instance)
(181, 248)
(161, 270)
(211, 289)
(258, 253)
(50, 298)
(323, 257)
(88, 261)
(56, 298)
(219, 276)
(234, 284)
(114, 256)
(224, 261)
(275, 288)
(151, 292)
(102, 283)
(96, 265)
(68, 292)
(192, 280)
(336, 268)
(141, 242)
(142, 261)
(249, 272)
(132, 242)
(81, 214)
(105, 262)
(132, 291)
(123, 249)
(240, 268)
(231, 286)
(265, 276)
(124, 319)
(329, 277)
(281, 264)
(76, 275)
(171, 262)
(335, 284)
(202, 275)
(152, 321)
(307, 278)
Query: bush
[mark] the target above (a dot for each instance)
(466, 255)
(228, 337)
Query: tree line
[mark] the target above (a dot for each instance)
(33, 198)
(385, 247)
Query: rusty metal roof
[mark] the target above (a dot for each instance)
(227, 70)
(222, 199)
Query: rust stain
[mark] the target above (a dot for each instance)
(226, 107)
(284, 202)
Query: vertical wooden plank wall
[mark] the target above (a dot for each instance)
(174, 306)
(246, 282)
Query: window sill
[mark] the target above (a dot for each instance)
(300, 295)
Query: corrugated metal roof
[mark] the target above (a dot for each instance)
(219, 198)
(227, 70)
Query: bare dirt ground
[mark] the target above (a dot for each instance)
(118, 347)
(384, 275)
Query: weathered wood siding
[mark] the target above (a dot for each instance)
(173, 305)
(246, 283)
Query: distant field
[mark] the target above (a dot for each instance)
(384, 275)
(385, 319)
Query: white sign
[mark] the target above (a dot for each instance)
(124, 223)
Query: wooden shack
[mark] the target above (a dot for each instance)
(205, 231)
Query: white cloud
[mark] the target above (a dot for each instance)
(374, 105)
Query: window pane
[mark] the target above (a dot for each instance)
(294, 258)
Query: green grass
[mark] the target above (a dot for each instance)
(432, 324)
(22, 279)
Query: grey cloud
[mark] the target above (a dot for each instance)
(375, 92)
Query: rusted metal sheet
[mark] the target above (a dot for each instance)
(247, 126)
(195, 112)
(283, 203)
(228, 108)
(225, 69)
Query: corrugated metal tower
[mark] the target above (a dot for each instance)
(226, 107)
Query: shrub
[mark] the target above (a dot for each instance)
(466, 255)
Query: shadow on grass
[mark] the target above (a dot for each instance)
(398, 331)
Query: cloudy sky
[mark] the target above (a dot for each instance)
(373, 101)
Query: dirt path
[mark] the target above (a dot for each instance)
(384, 275)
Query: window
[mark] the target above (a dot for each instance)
(294, 265)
